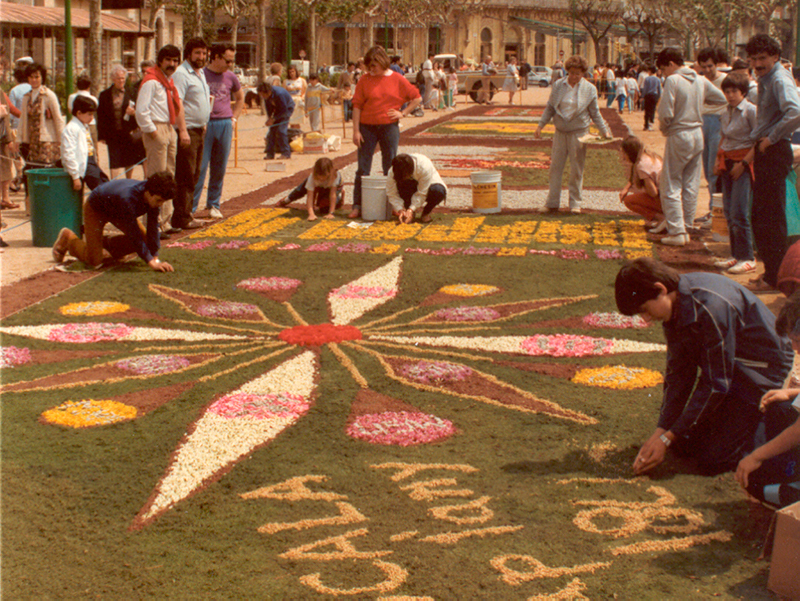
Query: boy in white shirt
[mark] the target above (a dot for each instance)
(77, 149)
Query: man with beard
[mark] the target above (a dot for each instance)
(159, 112)
(190, 81)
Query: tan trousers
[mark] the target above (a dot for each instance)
(161, 151)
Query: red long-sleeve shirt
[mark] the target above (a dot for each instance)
(377, 94)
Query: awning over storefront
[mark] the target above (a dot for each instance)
(551, 29)
(22, 15)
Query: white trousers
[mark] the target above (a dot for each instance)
(680, 179)
(566, 145)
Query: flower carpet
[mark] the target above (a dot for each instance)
(319, 411)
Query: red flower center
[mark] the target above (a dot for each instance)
(319, 334)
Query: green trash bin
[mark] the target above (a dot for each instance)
(54, 205)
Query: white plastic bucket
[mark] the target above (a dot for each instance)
(487, 189)
(373, 198)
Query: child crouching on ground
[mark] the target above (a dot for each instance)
(734, 168)
(323, 189)
(77, 151)
(771, 473)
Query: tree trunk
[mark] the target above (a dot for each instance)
(155, 6)
(235, 31)
(197, 26)
(312, 39)
(95, 46)
(262, 40)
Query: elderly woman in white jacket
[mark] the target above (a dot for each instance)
(572, 106)
(411, 183)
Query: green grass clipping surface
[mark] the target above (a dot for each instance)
(70, 496)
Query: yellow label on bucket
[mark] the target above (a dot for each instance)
(484, 196)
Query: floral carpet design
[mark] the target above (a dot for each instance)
(412, 351)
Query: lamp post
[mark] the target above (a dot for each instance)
(386, 4)
(288, 33)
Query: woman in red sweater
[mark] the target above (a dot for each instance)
(377, 109)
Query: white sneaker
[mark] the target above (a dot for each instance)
(659, 228)
(725, 263)
(676, 240)
(743, 267)
(575, 211)
(214, 213)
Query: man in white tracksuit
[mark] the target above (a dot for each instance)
(680, 115)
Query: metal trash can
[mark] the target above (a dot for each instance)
(54, 205)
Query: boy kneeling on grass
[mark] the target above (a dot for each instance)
(723, 355)
(771, 473)
(120, 202)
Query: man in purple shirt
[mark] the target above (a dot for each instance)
(120, 202)
(224, 86)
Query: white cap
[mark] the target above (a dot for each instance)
(25, 59)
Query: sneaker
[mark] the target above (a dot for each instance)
(704, 219)
(214, 213)
(575, 211)
(547, 210)
(659, 228)
(286, 157)
(743, 267)
(725, 263)
(676, 240)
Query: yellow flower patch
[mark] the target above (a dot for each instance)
(321, 230)
(522, 232)
(385, 249)
(270, 227)
(87, 413)
(512, 251)
(93, 308)
(547, 232)
(605, 234)
(635, 254)
(633, 234)
(468, 289)
(493, 233)
(619, 377)
(265, 245)
(573, 233)
(462, 230)
(240, 225)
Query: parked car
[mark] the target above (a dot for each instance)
(540, 76)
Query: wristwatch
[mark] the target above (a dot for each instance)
(665, 440)
(745, 163)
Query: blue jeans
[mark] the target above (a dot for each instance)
(630, 103)
(347, 105)
(621, 100)
(388, 136)
(737, 198)
(278, 136)
(216, 148)
(711, 136)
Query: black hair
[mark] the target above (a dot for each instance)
(796, 73)
(83, 104)
(789, 316)
(721, 56)
(636, 283)
(736, 81)
(19, 74)
(707, 54)
(402, 167)
(168, 51)
(739, 64)
(761, 42)
(36, 68)
(220, 50)
(264, 88)
(313, 76)
(84, 82)
(669, 55)
(192, 45)
(161, 184)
